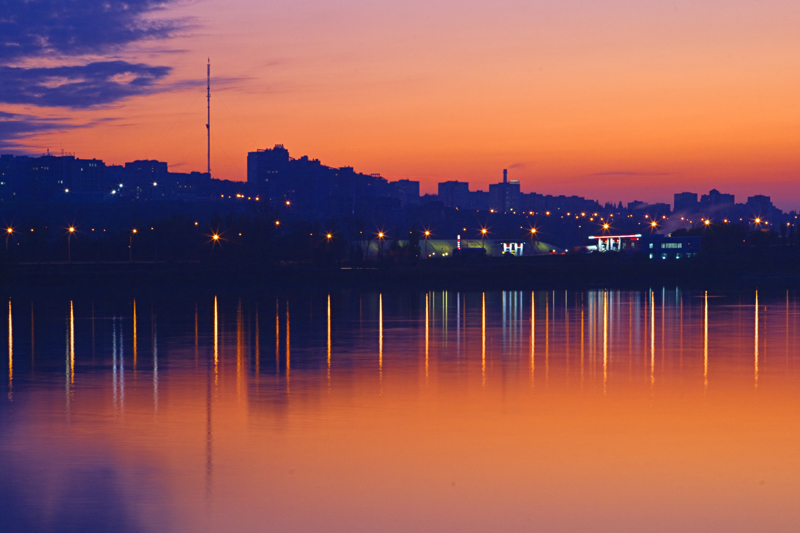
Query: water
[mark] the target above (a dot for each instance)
(658, 410)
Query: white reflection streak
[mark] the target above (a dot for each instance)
(71, 345)
(755, 376)
(583, 339)
(114, 361)
(458, 325)
(121, 364)
(705, 343)
(652, 338)
(216, 342)
(427, 336)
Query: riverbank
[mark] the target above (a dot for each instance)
(780, 268)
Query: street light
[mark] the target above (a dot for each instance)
(533, 237)
(71, 230)
(9, 232)
(380, 244)
(654, 224)
(707, 222)
(130, 246)
(483, 236)
(427, 234)
(605, 226)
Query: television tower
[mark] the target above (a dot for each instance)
(208, 122)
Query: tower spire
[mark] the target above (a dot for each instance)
(208, 122)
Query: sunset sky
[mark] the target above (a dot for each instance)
(614, 100)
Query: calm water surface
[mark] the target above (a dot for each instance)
(658, 410)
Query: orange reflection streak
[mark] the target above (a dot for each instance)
(134, 334)
(288, 352)
(277, 337)
(755, 375)
(32, 338)
(605, 341)
(652, 337)
(216, 341)
(705, 342)
(10, 353)
(533, 337)
(196, 339)
(380, 334)
(681, 331)
(257, 349)
(483, 339)
(329, 341)
(427, 337)
(547, 338)
(71, 344)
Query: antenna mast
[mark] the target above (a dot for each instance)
(208, 123)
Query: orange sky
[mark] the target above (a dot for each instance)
(616, 101)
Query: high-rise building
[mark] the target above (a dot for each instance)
(760, 205)
(716, 199)
(685, 202)
(505, 197)
(406, 191)
(454, 194)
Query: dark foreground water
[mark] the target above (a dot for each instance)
(659, 410)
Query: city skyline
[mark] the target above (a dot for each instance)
(614, 102)
(21, 178)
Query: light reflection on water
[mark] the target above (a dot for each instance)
(554, 410)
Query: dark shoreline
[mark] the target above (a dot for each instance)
(729, 271)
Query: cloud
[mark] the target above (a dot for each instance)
(77, 87)
(627, 173)
(14, 127)
(74, 33)
(39, 28)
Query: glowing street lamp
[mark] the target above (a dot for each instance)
(707, 222)
(130, 245)
(427, 234)
(483, 235)
(654, 224)
(70, 231)
(381, 235)
(9, 232)
(606, 226)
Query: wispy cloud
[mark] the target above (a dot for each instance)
(78, 87)
(628, 173)
(49, 53)
(71, 28)
(14, 127)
